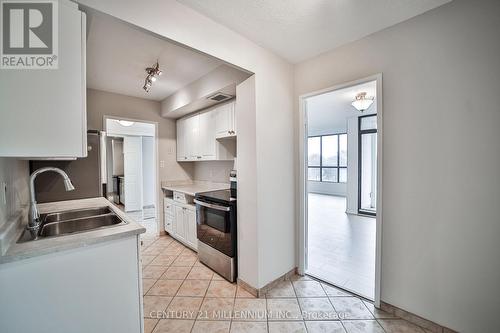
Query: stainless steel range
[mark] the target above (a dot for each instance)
(216, 230)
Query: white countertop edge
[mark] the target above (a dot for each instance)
(21, 251)
(197, 187)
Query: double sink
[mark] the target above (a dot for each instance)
(74, 221)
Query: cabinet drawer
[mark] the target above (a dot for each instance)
(180, 197)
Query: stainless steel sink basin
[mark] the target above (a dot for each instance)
(73, 221)
(74, 214)
(78, 225)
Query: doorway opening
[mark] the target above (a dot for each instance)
(339, 226)
(131, 156)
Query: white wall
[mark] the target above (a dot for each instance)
(352, 166)
(248, 256)
(195, 95)
(148, 171)
(440, 234)
(274, 196)
(101, 103)
(15, 174)
(114, 128)
(339, 189)
(117, 157)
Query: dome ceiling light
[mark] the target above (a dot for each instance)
(361, 102)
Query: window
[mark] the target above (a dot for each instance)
(327, 158)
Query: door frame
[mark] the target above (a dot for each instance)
(303, 204)
(158, 194)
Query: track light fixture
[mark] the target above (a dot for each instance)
(152, 72)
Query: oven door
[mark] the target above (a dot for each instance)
(215, 226)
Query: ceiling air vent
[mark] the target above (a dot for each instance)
(219, 97)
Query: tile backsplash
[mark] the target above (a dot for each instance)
(14, 173)
(214, 171)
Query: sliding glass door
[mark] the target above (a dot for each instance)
(367, 191)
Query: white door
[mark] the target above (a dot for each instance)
(179, 226)
(190, 222)
(132, 167)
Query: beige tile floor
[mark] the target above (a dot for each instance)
(182, 295)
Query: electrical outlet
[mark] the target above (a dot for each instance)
(3, 193)
(162, 164)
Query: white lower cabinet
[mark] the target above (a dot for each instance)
(168, 211)
(180, 222)
(79, 290)
(169, 224)
(190, 222)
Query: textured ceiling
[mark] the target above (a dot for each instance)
(299, 29)
(117, 55)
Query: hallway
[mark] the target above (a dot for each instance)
(181, 295)
(341, 247)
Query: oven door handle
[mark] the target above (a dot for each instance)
(208, 205)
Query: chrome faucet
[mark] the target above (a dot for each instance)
(34, 218)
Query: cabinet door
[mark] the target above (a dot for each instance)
(169, 223)
(179, 225)
(43, 111)
(181, 140)
(192, 138)
(190, 223)
(207, 135)
(223, 120)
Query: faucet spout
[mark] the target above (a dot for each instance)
(34, 216)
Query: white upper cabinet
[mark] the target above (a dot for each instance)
(225, 121)
(197, 135)
(43, 111)
(207, 136)
(181, 140)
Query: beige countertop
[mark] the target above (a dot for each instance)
(20, 251)
(192, 188)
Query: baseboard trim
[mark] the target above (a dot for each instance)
(261, 292)
(245, 286)
(415, 319)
